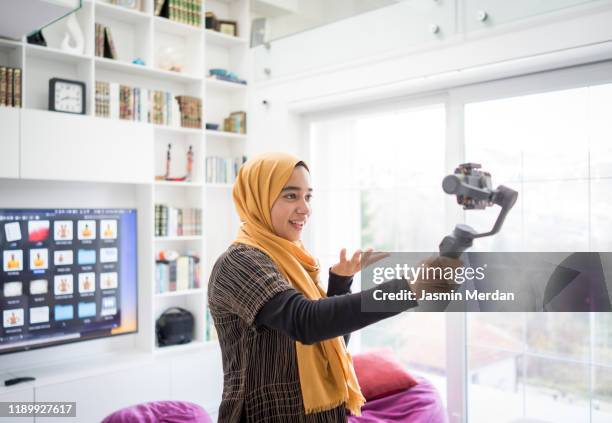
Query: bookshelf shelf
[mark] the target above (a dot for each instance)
(217, 185)
(197, 291)
(176, 130)
(176, 28)
(10, 44)
(178, 238)
(122, 14)
(223, 40)
(215, 84)
(191, 347)
(48, 53)
(226, 135)
(140, 70)
(178, 184)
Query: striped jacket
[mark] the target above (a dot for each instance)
(260, 371)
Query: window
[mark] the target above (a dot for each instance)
(556, 147)
(377, 178)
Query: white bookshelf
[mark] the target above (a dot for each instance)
(140, 34)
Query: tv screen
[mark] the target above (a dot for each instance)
(67, 275)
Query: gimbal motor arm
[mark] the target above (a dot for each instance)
(473, 190)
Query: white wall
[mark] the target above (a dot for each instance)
(344, 64)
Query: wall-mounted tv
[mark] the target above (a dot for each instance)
(66, 275)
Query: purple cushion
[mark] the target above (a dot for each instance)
(419, 404)
(160, 412)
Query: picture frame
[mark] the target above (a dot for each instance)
(228, 27)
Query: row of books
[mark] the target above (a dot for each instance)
(105, 46)
(177, 275)
(173, 221)
(184, 11)
(221, 170)
(236, 122)
(10, 87)
(118, 101)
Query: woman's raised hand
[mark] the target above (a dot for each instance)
(357, 262)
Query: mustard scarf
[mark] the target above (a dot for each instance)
(327, 377)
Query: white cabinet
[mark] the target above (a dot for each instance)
(9, 142)
(198, 378)
(98, 396)
(56, 146)
(480, 14)
(16, 395)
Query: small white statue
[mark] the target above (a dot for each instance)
(74, 40)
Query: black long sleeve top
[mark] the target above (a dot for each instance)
(309, 321)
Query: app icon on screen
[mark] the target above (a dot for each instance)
(12, 232)
(38, 230)
(63, 230)
(63, 284)
(13, 260)
(108, 280)
(108, 255)
(63, 258)
(109, 306)
(86, 229)
(39, 259)
(13, 318)
(86, 257)
(39, 287)
(13, 289)
(39, 315)
(64, 312)
(87, 282)
(108, 229)
(87, 310)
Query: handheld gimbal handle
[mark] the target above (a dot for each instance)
(454, 245)
(473, 190)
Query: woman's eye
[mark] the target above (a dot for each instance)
(309, 197)
(290, 196)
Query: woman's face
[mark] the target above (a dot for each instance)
(291, 209)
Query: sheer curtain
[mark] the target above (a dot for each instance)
(377, 180)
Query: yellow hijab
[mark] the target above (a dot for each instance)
(327, 377)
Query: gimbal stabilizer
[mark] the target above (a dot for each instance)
(473, 190)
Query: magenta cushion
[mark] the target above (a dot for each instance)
(379, 373)
(420, 404)
(160, 412)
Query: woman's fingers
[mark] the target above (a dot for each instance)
(370, 257)
(356, 259)
(343, 255)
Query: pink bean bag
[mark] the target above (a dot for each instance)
(160, 412)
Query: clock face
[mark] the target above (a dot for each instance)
(68, 97)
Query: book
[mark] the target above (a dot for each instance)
(159, 5)
(114, 100)
(2, 86)
(109, 46)
(17, 88)
(9, 86)
(221, 170)
(99, 42)
(191, 111)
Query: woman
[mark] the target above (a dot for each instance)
(284, 358)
